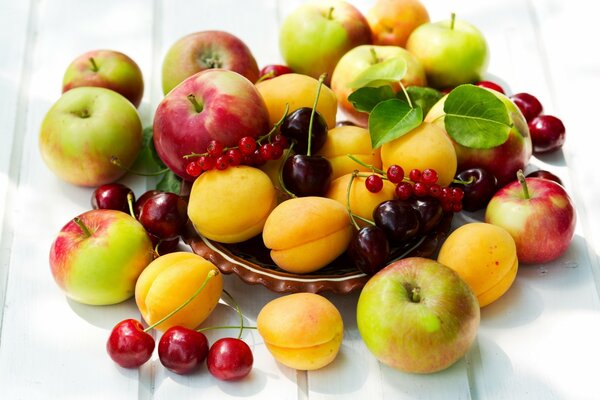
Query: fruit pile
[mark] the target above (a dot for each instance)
(421, 136)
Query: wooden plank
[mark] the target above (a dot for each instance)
(52, 347)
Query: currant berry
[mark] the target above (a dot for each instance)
(429, 176)
(215, 148)
(420, 189)
(193, 169)
(435, 191)
(247, 145)
(456, 207)
(206, 162)
(415, 175)
(457, 195)
(403, 191)
(395, 173)
(277, 150)
(374, 183)
(281, 140)
(222, 162)
(234, 156)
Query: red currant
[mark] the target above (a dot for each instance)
(222, 162)
(206, 162)
(247, 145)
(277, 150)
(374, 183)
(280, 139)
(257, 158)
(456, 207)
(415, 175)
(435, 190)
(193, 169)
(446, 194)
(395, 173)
(266, 151)
(457, 194)
(215, 148)
(420, 189)
(429, 176)
(403, 190)
(234, 156)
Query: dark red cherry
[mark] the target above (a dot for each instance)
(295, 127)
(137, 206)
(369, 249)
(430, 210)
(476, 194)
(229, 359)
(128, 345)
(307, 175)
(543, 174)
(547, 134)
(273, 70)
(398, 219)
(182, 350)
(491, 85)
(112, 196)
(165, 246)
(529, 105)
(164, 215)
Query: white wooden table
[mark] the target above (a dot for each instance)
(540, 341)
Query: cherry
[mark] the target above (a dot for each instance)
(296, 126)
(430, 211)
(273, 70)
(305, 175)
(398, 219)
(164, 246)
(112, 196)
(164, 215)
(128, 345)
(491, 85)
(229, 359)
(529, 105)
(547, 134)
(369, 249)
(543, 174)
(182, 350)
(137, 207)
(478, 188)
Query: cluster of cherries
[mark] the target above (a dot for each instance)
(162, 214)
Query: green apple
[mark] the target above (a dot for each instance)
(317, 34)
(417, 315)
(98, 256)
(452, 52)
(84, 129)
(109, 69)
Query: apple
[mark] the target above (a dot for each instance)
(392, 21)
(84, 129)
(501, 161)
(98, 256)
(539, 215)
(453, 52)
(214, 104)
(204, 50)
(317, 34)
(417, 315)
(108, 69)
(358, 60)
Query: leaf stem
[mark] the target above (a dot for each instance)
(406, 94)
(115, 161)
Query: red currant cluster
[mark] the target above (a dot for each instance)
(420, 184)
(249, 151)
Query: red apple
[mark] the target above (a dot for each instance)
(539, 215)
(204, 50)
(98, 256)
(417, 315)
(109, 69)
(215, 104)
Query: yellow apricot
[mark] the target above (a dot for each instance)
(344, 140)
(297, 91)
(362, 202)
(302, 330)
(307, 233)
(232, 205)
(168, 281)
(485, 256)
(426, 146)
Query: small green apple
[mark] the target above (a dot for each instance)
(452, 52)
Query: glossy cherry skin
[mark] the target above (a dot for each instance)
(478, 193)
(137, 206)
(543, 174)
(182, 350)
(229, 359)
(272, 70)
(164, 215)
(112, 196)
(295, 127)
(547, 134)
(430, 210)
(491, 85)
(165, 246)
(398, 219)
(307, 175)
(128, 345)
(369, 249)
(529, 105)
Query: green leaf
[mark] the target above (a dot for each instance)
(391, 119)
(390, 70)
(169, 183)
(148, 159)
(366, 98)
(424, 97)
(476, 118)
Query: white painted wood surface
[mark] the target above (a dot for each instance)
(540, 341)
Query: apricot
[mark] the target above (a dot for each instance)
(301, 330)
(392, 21)
(426, 146)
(307, 233)
(344, 140)
(362, 202)
(232, 205)
(485, 256)
(297, 91)
(169, 281)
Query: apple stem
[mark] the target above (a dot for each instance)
(94, 65)
(314, 109)
(452, 20)
(210, 275)
(130, 203)
(374, 58)
(81, 225)
(415, 295)
(197, 106)
(238, 310)
(523, 182)
(330, 13)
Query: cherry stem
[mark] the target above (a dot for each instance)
(211, 328)
(81, 225)
(523, 182)
(238, 310)
(354, 173)
(314, 109)
(209, 276)
(94, 65)
(452, 20)
(280, 172)
(130, 203)
(461, 182)
(197, 106)
(371, 167)
(115, 161)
